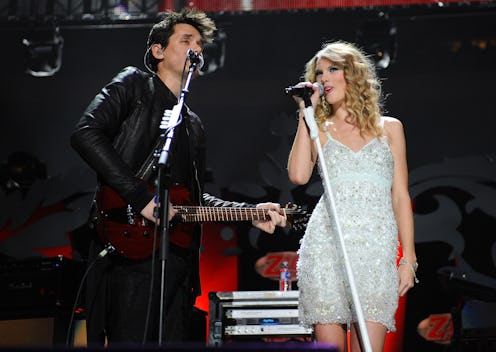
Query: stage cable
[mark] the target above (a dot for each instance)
(107, 250)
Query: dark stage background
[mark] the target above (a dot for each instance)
(440, 85)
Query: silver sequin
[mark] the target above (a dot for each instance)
(361, 183)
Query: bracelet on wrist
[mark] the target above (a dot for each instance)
(413, 267)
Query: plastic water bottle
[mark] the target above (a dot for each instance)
(284, 277)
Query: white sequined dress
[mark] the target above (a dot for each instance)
(361, 183)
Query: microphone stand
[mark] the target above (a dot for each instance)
(164, 191)
(314, 134)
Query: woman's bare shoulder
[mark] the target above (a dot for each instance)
(392, 125)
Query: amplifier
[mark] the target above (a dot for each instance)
(40, 284)
(252, 315)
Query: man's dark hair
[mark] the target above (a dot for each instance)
(161, 31)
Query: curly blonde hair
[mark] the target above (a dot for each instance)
(363, 93)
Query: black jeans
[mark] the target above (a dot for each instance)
(118, 294)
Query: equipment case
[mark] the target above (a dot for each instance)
(254, 315)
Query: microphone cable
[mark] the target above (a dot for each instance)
(106, 250)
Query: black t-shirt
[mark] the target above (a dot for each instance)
(180, 162)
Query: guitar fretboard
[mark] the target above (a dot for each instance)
(199, 214)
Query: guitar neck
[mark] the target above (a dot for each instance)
(205, 214)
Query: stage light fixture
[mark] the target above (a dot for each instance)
(43, 52)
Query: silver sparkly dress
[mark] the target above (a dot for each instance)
(361, 183)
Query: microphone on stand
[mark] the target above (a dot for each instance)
(195, 58)
(303, 91)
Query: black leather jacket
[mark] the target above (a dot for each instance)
(119, 131)
(118, 134)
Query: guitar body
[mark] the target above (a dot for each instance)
(133, 236)
(130, 233)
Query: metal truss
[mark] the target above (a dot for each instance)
(78, 11)
(91, 13)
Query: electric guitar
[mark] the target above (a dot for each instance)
(132, 235)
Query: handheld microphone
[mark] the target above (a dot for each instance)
(195, 58)
(302, 91)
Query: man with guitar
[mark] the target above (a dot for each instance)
(117, 136)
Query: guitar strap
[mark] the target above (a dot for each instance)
(146, 168)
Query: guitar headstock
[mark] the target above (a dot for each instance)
(296, 216)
